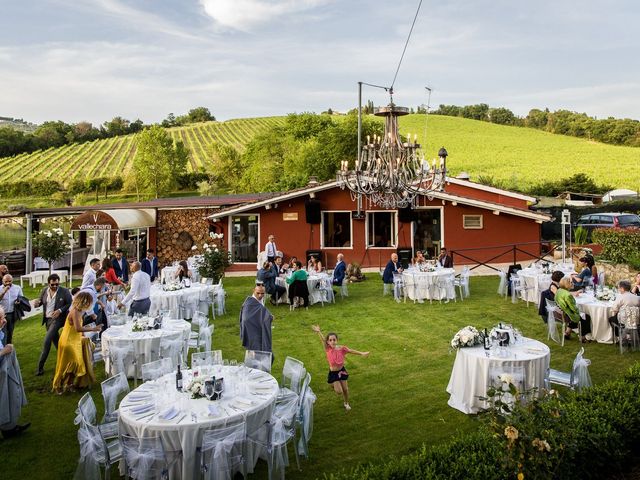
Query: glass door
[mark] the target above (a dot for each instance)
(427, 232)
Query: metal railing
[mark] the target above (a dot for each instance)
(511, 250)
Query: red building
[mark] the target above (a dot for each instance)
(322, 217)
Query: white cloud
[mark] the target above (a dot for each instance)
(246, 14)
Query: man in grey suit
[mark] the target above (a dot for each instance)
(55, 301)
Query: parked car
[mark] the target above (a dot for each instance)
(607, 220)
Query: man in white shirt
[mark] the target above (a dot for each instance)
(9, 294)
(270, 249)
(140, 292)
(90, 275)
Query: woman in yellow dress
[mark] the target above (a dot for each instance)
(75, 366)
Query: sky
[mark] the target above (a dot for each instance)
(92, 60)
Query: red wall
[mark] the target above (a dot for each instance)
(296, 237)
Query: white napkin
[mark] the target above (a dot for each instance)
(139, 409)
(138, 396)
(214, 410)
(169, 413)
(242, 402)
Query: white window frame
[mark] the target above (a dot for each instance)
(322, 246)
(367, 240)
(481, 227)
(413, 226)
(230, 230)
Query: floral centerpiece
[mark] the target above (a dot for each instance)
(469, 336)
(141, 324)
(172, 287)
(606, 295)
(214, 258)
(195, 387)
(52, 245)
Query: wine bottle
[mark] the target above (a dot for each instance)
(179, 379)
(487, 343)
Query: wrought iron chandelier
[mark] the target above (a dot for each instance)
(391, 171)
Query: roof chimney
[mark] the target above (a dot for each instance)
(463, 176)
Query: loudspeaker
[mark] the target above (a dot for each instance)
(35, 225)
(405, 215)
(312, 211)
(404, 257)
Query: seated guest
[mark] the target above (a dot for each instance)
(419, 259)
(12, 397)
(549, 294)
(264, 270)
(444, 259)
(624, 298)
(298, 285)
(276, 291)
(292, 263)
(149, 264)
(392, 267)
(339, 271)
(110, 273)
(581, 279)
(314, 265)
(636, 288)
(182, 272)
(567, 303)
(279, 266)
(75, 363)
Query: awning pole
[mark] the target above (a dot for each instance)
(71, 259)
(29, 244)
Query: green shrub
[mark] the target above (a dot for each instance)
(26, 188)
(618, 244)
(580, 235)
(592, 434)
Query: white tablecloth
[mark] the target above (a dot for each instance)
(168, 273)
(184, 432)
(536, 281)
(146, 344)
(470, 375)
(424, 285)
(316, 295)
(599, 312)
(181, 303)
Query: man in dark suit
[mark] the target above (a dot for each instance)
(339, 270)
(392, 267)
(150, 264)
(445, 259)
(121, 266)
(55, 301)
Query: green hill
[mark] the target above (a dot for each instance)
(517, 156)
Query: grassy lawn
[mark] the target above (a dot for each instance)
(398, 393)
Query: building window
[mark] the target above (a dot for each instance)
(472, 222)
(381, 229)
(336, 229)
(244, 238)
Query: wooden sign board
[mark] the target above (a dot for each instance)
(290, 217)
(94, 220)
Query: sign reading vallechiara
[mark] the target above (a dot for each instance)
(94, 220)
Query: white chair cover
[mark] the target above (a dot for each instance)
(206, 358)
(156, 369)
(305, 416)
(516, 288)
(409, 280)
(171, 348)
(446, 286)
(112, 388)
(220, 299)
(92, 451)
(258, 359)
(204, 338)
(464, 281)
(552, 327)
(344, 289)
(144, 457)
(223, 452)
(580, 373)
(293, 374)
(86, 411)
(397, 286)
(327, 291)
(502, 287)
(121, 354)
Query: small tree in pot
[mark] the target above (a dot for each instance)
(52, 245)
(214, 258)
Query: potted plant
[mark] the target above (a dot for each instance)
(52, 245)
(214, 258)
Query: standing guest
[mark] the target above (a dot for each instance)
(9, 294)
(12, 397)
(75, 364)
(255, 322)
(339, 271)
(270, 249)
(183, 271)
(140, 292)
(444, 259)
(624, 299)
(636, 288)
(55, 301)
(4, 270)
(90, 275)
(567, 303)
(392, 268)
(110, 272)
(279, 266)
(298, 285)
(150, 264)
(335, 353)
(121, 266)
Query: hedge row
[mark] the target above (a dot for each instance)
(593, 434)
(618, 244)
(27, 188)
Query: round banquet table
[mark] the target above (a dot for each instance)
(470, 377)
(535, 281)
(316, 295)
(146, 345)
(250, 395)
(185, 300)
(599, 311)
(424, 285)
